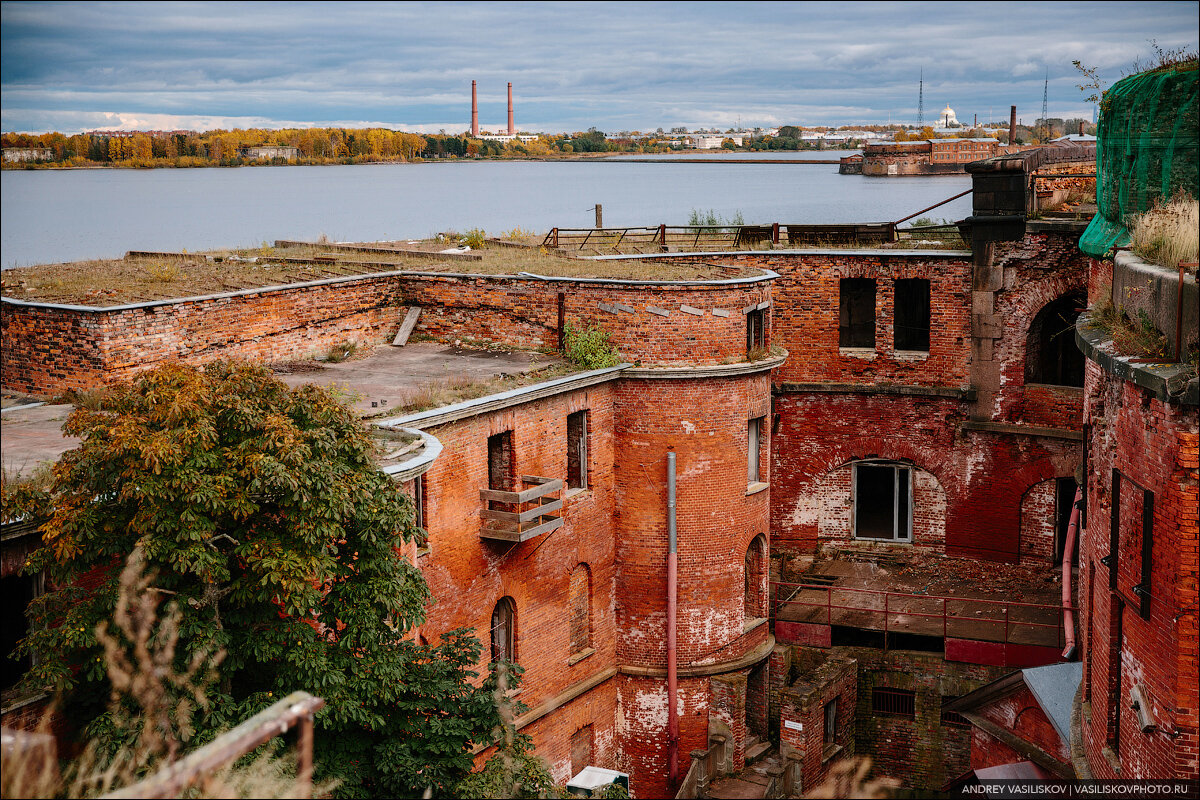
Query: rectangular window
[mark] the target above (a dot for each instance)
(419, 515)
(500, 462)
(856, 314)
(894, 702)
(912, 315)
(756, 330)
(577, 450)
(831, 721)
(754, 430)
(881, 502)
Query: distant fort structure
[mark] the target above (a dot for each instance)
(511, 135)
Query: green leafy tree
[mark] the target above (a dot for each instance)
(261, 512)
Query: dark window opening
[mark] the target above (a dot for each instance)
(894, 702)
(881, 502)
(501, 472)
(577, 450)
(504, 630)
(17, 591)
(756, 330)
(856, 314)
(753, 596)
(754, 430)
(419, 513)
(912, 314)
(831, 722)
(1051, 356)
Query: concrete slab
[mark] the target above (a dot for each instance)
(30, 437)
(391, 376)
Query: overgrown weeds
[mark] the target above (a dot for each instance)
(589, 347)
(1131, 336)
(1169, 233)
(341, 351)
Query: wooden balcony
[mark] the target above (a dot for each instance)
(532, 511)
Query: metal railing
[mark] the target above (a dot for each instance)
(1002, 621)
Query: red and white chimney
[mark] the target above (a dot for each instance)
(511, 129)
(474, 111)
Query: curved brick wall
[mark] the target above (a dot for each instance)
(1154, 445)
(704, 421)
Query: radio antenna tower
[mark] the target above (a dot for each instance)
(921, 100)
(1045, 96)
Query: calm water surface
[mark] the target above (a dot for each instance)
(60, 215)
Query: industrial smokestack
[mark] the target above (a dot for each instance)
(475, 111)
(511, 129)
(1012, 125)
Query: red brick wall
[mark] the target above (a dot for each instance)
(806, 708)
(1153, 444)
(1038, 522)
(1021, 713)
(983, 475)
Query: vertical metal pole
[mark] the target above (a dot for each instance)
(662, 236)
(775, 233)
(672, 677)
(599, 216)
(1179, 317)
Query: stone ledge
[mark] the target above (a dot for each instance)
(495, 402)
(1022, 430)
(705, 670)
(420, 463)
(1168, 382)
(948, 392)
(707, 371)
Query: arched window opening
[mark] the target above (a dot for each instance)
(580, 608)
(882, 506)
(755, 583)
(1051, 356)
(504, 630)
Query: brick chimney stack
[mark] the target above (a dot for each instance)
(511, 130)
(1012, 126)
(474, 111)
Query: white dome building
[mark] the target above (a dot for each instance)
(948, 119)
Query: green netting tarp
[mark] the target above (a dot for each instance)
(1146, 148)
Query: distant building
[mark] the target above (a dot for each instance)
(960, 151)
(13, 154)
(269, 152)
(948, 119)
(507, 137)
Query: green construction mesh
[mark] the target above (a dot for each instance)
(1146, 149)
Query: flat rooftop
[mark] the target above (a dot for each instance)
(144, 276)
(384, 382)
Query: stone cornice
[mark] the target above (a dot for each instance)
(704, 670)
(947, 392)
(705, 371)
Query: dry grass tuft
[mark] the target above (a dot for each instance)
(850, 778)
(1169, 233)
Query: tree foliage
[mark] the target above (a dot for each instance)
(263, 515)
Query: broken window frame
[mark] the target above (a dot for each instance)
(756, 330)
(897, 469)
(419, 502)
(830, 722)
(577, 451)
(754, 442)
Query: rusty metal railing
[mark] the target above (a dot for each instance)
(197, 767)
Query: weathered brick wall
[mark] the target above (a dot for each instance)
(47, 348)
(921, 752)
(802, 717)
(806, 300)
(552, 734)
(1038, 521)
(468, 575)
(642, 728)
(1154, 445)
(983, 475)
(1038, 270)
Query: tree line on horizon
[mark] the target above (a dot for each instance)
(358, 145)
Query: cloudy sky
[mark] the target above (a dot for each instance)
(616, 66)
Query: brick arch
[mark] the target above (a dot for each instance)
(1047, 352)
(756, 576)
(915, 454)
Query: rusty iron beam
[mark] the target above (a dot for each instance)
(932, 207)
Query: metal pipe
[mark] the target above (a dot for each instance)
(932, 207)
(672, 676)
(511, 128)
(1068, 652)
(474, 111)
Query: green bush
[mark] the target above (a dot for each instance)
(589, 347)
